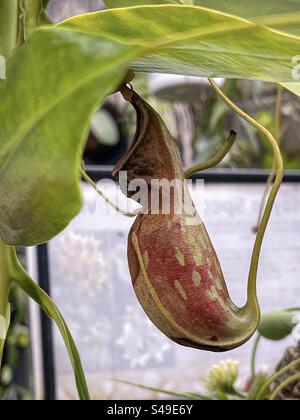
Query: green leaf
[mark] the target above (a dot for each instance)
(54, 84)
(12, 271)
(277, 14)
(277, 325)
(255, 10)
(112, 4)
(58, 79)
(251, 10)
(195, 41)
(22, 278)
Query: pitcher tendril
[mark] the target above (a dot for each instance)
(12, 271)
(278, 135)
(105, 198)
(222, 153)
(252, 298)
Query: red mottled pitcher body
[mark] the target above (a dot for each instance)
(175, 271)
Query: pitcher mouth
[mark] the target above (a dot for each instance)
(130, 96)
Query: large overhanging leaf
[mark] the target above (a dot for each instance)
(195, 41)
(59, 77)
(252, 10)
(283, 15)
(243, 8)
(54, 84)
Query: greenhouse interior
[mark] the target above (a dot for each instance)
(150, 202)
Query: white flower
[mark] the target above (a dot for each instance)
(222, 377)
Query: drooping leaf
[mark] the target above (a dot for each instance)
(21, 277)
(12, 271)
(196, 41)
(54, 83)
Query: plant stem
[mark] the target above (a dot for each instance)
(254, 354)
(31, 15)
(285, 384)
(9, 24)
(216, 159)
(18, 19)
(252, 280)
(277, 376)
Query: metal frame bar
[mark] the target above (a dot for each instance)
(46, 326)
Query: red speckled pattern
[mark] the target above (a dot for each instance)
(199, 309)
(174, 267)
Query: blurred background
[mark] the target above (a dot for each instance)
(199, 123)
